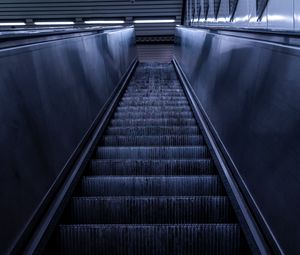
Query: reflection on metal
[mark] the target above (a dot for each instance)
(251, 98)
(216, 7)
(194, 13)
(39, 33)
(205, 8)
(260, 8)
(51, 93)
(232, 8)
(199, 9)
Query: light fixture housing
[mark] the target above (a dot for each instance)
(12, 24)
(53, 23)
(149, 21)
(104, 22)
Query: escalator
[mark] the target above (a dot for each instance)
(151, 186)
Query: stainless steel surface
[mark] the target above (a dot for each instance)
(29, 32)
(248, 89)
(50, 94)
(267, 14)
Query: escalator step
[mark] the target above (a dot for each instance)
(158, 98)
(152, 187)
(150, 210)
(152, 140)
(184, 152)
(162, 84)
(206, 185)
(155, 94)
(154, 102)
(153, 115)
(153, 108)
(192, 130)
(152, 167)
(108, 239)
(152, 122)
(154, 89)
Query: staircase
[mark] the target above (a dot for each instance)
(151, 187)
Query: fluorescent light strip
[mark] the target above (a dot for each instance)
(55, 23)
(104, 22)
(12, 24)
(154, 21)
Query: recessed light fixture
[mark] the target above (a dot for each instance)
(154, 21)
(12, 24)
(54, 23)
(104, 22)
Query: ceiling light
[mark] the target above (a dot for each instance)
(104, 22)
(12, 24)
(54, 23)
(154, 21)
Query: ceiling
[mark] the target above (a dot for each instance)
(78, 11)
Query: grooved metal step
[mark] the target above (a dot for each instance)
(154, 102)
(153, 115)
(153, 131)
(165, 140)
(156, 94)
(148, 98)
(117, 122)
(154, 89)
(161, 88)
(153, 108)
(152, 167)
(208, 239)
(150, 210)
(182, 152)
(151, 186)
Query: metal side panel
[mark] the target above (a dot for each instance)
(248, 90)
(50, 95)
(36, 242)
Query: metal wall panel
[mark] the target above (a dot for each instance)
(241, 16)
(197, 12)
(217, 4)
(249, 90)
(277, 15)
(281, 15)
(223, 15)
(254, 20)
(260, 7)
(297, 15)
(205, 8)
(232, 7)
(50, 94)
(211, 11)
